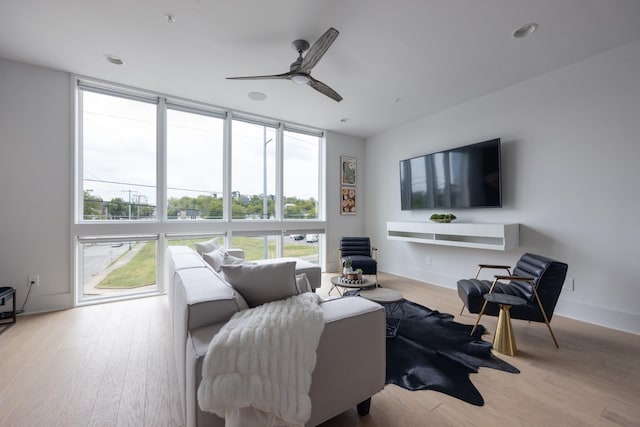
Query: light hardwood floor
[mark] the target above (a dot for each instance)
(112, 365)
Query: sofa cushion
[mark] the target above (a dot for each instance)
(312, 270)
(208, 246)
(183, 261)
(260, 283)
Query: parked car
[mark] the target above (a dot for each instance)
(312, 238)
(297, 236)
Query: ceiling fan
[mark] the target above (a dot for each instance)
(300, 70)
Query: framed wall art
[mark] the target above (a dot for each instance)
(348, 204)
(347, 170)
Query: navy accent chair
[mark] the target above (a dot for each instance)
(536, 279)
(362, 254)
(7, 318)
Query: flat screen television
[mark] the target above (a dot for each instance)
(463, 177)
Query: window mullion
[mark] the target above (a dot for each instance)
(161, 161)
(279, 202)
(79, 178)
(226, 168)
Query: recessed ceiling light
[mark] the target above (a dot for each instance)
(525, 30)
(170, 18)
(397, 100)
(114, 59)
(257, 96)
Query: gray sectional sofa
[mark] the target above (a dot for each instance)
(350, 365)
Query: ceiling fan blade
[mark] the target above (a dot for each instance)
(274, 76)
(318, 50)
(324, 89)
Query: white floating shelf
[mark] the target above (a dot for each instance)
(499, 237)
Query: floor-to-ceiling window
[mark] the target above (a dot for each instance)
(253, 168)
(195, 152)
(152, 171)
(301, 184)
(118, 158)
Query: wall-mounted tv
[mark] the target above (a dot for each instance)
(463, 177)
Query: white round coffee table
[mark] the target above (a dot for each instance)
(391, 301)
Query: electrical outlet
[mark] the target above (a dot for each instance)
(569, 284)
(34, 280)
(427, 260)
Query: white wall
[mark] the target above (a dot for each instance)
(343, 225)
(35, 169)
(571, 146)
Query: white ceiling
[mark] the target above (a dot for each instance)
(392, 62)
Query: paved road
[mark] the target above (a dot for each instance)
(98, 257)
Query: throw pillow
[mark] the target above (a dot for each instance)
(208, 246)
(261, 283)
(302, 283)
(215, 258)
(233, 260)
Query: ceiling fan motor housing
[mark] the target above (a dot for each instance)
(300, 45)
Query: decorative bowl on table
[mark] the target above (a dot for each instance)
(346, 279)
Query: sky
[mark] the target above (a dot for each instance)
(119, 153)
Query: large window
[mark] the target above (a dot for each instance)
(114, 268)
(254, 170)
(301, 182)
(194, 165)
(118, 158)
(153, 171)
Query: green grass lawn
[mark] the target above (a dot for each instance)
(254, 248)
(141, 269)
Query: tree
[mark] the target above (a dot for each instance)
(242, 207)
(117, 208)
(92, 207)
(209, 207)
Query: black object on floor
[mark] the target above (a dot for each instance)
(432, 352)
(7, 293)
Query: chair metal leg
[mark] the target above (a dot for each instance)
(493, 285)
(475, 325)
(462, 309)
(544, 315)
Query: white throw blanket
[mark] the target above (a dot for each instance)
(257, 370)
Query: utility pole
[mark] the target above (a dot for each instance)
(129, 191)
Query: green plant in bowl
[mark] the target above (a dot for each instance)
(442, 217)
